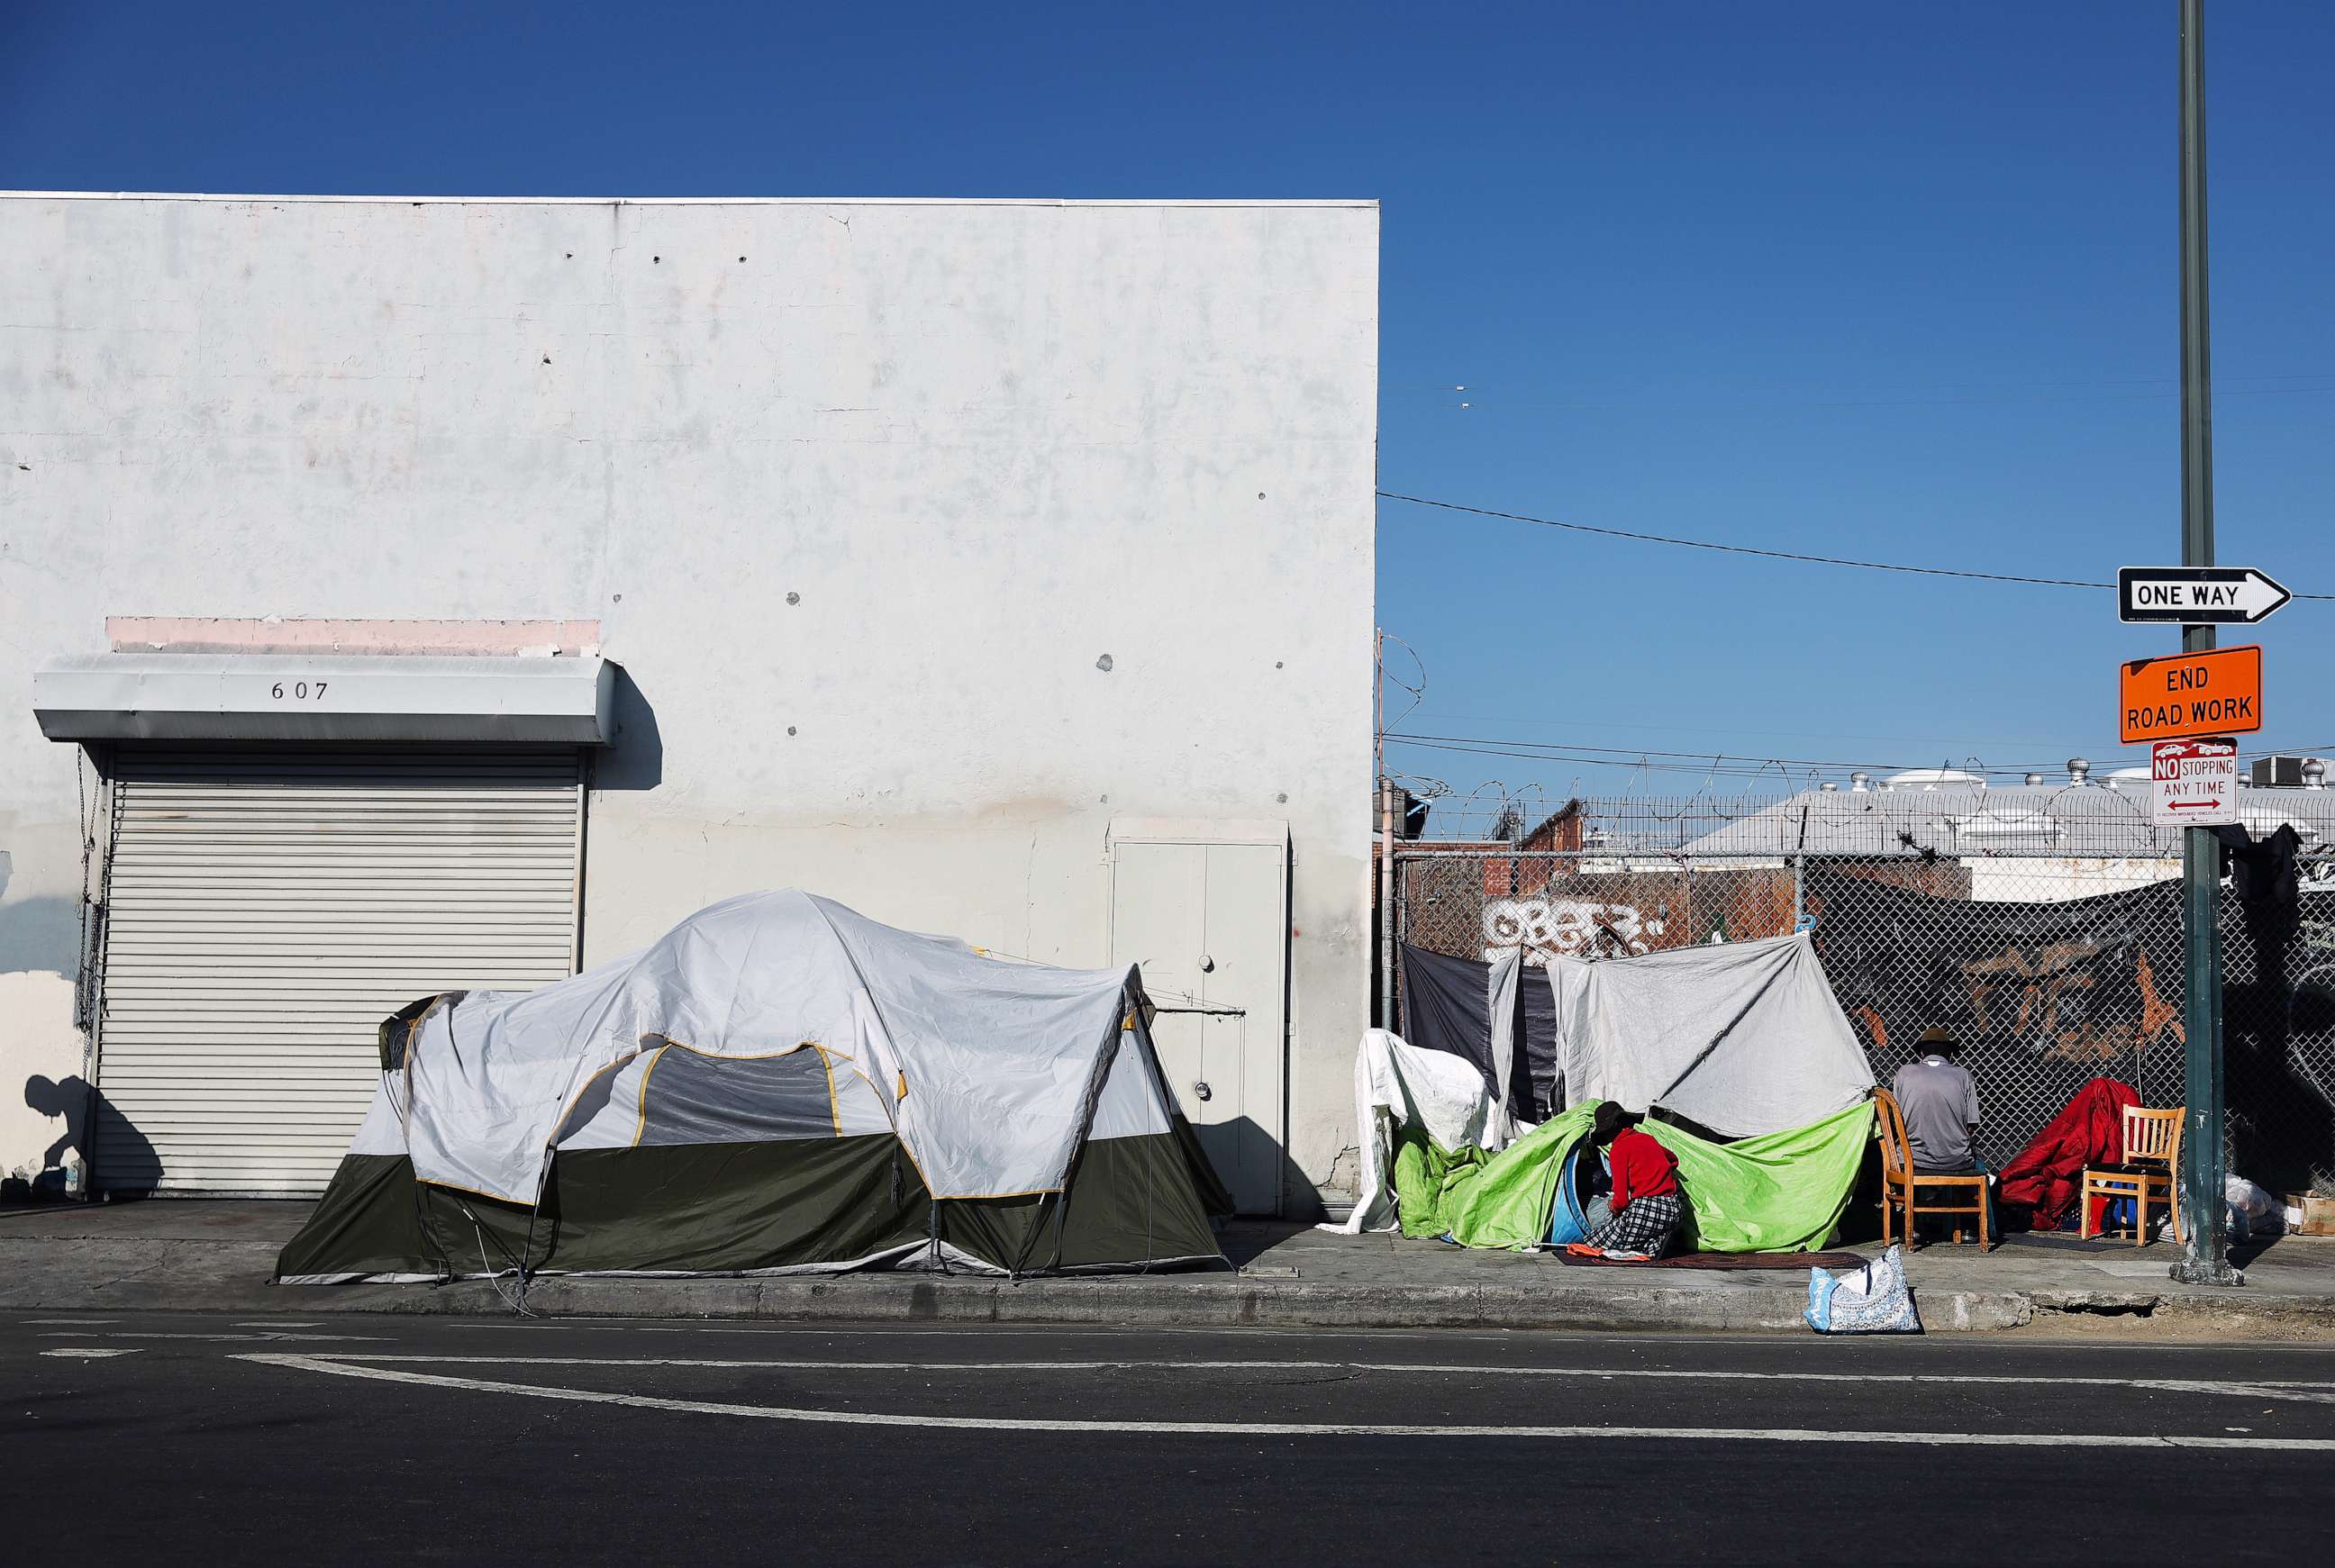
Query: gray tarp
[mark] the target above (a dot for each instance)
(1744, 1037)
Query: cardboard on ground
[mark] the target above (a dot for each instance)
(2190, 696)
(2193, 783)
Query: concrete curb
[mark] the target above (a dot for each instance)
(94, 1276)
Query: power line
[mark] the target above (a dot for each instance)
(1534, 747)
(1577, 405)
(2170, 386)
(1722, 764)
(1750, 550)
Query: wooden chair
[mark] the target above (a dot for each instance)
(1900, 1180)
(2151, 1168)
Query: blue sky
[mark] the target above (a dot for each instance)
(1891, 282)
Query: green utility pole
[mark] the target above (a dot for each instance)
(2203, 1162)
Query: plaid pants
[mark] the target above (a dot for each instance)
(1645, 1226)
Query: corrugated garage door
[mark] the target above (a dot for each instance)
(266, 911)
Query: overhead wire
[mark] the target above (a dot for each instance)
(1802, 556)
(1716, 765)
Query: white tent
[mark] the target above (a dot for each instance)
(1744, 1036)
(1396, 1083)
(777, 1084)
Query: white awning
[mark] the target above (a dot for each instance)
(295, 696)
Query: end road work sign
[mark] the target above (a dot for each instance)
(2198, 595)
(2189, 696)
(2193, 783)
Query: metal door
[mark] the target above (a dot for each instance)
(1208, 924)
(267, 911)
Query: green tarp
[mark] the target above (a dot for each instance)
(1507, 1201)
(1779, 1192)
(1482, 1200)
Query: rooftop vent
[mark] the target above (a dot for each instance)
(2078, 772)
(2034, 779)
(2283, 773)
(1860, 783)
(1931, 777)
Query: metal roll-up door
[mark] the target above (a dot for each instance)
(267, 911)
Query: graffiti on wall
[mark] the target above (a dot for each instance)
(1574, 927)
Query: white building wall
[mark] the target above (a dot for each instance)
(861, 493)
(2044, 879)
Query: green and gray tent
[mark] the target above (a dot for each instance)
(777, 1086)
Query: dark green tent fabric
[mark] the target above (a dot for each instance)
(1130, 1199)
(731, 1208)
(377, 1219)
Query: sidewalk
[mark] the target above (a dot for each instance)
(198, 1256)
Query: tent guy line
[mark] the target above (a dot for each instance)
(344, 1369)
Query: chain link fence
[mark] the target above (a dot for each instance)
(2055, 958)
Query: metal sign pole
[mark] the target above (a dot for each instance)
(2206, 1261)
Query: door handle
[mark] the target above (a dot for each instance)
(1201, 1088)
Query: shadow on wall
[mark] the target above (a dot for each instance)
(131, 1166)
(1299, 1198)
(636, 759)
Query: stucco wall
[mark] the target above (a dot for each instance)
(860, 492)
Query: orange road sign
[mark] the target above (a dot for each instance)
(2183, 695)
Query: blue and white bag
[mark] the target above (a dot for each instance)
(1873, 1299)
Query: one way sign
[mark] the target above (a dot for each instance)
(2197, 595)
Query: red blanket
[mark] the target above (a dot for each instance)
(2046, 1176)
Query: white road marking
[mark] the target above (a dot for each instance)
(341, 1369)
(1060, 1331)
(237, 1339)
(74, 1322)
(318, 1324)
(1569, 1338)
(2314, 1392)
(85, 1351)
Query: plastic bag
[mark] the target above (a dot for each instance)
(1873, 1299)
(2253, 1210)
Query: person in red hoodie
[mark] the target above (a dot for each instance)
(1646, 1206)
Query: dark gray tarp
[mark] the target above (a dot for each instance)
(2044, 996)
(1537, 1045)
(1447, 1006)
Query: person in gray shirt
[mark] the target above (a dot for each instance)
(1940, 1103)
(1941, 1107)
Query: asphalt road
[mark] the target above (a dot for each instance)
(184, 1438)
